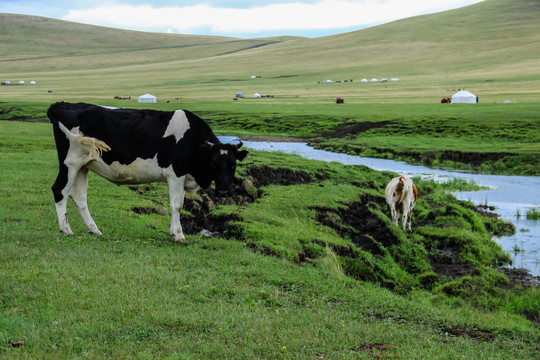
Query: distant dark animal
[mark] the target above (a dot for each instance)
(340, 100)
(128, 146)
(401, 194)
(446, 100)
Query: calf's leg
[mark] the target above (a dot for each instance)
(410, 218)
(395, 213)
(406, 216)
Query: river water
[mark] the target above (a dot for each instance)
(510, 195)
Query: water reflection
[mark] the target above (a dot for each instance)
(509, 194)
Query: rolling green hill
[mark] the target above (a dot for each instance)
(490, 47)
(35, 42)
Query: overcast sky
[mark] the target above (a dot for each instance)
(239, 18)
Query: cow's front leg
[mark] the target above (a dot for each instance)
(62, 217)
(176, 195)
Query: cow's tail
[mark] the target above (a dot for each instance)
(93, 144)
(402, 189)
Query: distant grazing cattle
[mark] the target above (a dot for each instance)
(401, 195)
(128, 146)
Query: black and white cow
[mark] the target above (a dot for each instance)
(128, 146)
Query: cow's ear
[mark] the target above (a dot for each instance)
(241, 155)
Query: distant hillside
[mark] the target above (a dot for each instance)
(26, 38)
(492, 45)
(495, 35)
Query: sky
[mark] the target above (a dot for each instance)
(237, 18)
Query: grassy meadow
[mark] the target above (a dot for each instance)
(290, 280)
(305, 263)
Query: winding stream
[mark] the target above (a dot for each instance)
(509, 194)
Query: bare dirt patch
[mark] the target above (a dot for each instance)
(148, 210)
(264, 176)
(521, 277)
(351, 130)
(482, 335)
(374, 350)
(15, 220)
(357, 222)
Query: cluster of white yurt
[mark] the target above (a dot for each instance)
(374, 80)
(20, 82)
(147, 98)
(464, 97)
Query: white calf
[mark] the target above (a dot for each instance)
(401, 194)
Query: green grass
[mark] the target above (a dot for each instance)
(533, 214)
(134, 293)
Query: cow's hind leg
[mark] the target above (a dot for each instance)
(410, 218)
(176, 194)
(406, 217)
(78, 195)
(395, 214)
(61, 188)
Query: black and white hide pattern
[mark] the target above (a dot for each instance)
(127, 146)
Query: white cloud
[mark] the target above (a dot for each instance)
(325, 14)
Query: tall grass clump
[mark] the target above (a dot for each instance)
(533, 214)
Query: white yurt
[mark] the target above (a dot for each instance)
(257, 95)
(464, 97)
(21, 82)
(147, 98)
(32, 82)
(364, 80)
(374, 80)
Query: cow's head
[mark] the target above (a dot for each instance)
(222, 164)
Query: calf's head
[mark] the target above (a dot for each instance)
(222, 164)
